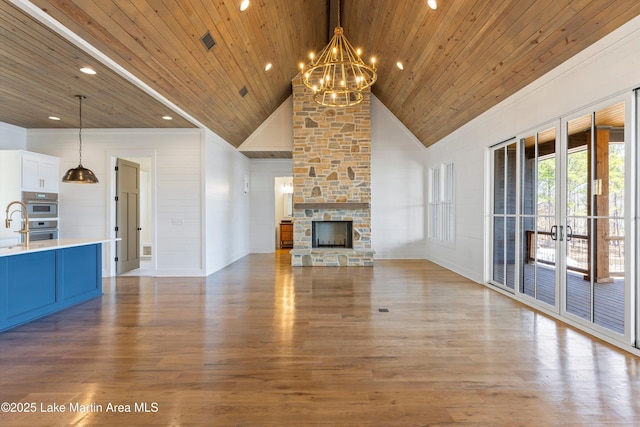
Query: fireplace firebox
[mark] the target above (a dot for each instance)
(332, 234)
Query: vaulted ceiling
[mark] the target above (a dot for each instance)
(459, 60)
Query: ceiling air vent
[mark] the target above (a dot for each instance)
(243, 92)
(208, 41)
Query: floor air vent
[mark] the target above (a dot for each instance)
(147, 251)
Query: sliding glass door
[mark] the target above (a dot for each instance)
(561, 219)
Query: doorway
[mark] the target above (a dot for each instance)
(283, 193)
(147, 234)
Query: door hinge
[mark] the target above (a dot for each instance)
(116, 168)
(116, 259)
(117, 229)
(116, 198)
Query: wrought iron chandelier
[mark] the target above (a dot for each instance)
(337, 75)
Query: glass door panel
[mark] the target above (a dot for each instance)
(528, 227)
(595, 186)
(539, 230)
(578, 218)
(510, 269)
(499, 274)
(504, 219)
(608, 206)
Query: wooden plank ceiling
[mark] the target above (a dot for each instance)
(459, 60)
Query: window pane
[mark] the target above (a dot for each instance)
(578, 184)
(510, 256)
(511, 178)
(498, 180)
(498, 250)
(608, 206)
(527, 186)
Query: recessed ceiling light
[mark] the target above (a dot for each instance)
(244, 5)
(54, 118)
(87, 70)
(432, 4)
(167, 118)
(268, 66)
(399, 65)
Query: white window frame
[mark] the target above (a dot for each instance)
(441, 203)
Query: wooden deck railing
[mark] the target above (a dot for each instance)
(578, 251)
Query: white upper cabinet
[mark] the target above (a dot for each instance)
(39, 172)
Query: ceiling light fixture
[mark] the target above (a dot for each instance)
(338, 76)
(433, 4)
(268, 66)
(399, 65)
(88, 70)
(167, 118)
(54, 118)
(80, 174)
(244, 5)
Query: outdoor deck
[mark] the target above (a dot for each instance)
(608, 297)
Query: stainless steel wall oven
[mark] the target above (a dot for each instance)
(43, 215)
(41, 205)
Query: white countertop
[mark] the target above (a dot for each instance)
(49, 245)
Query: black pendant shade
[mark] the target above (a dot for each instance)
(80, 174)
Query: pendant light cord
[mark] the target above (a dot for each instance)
(80, 129)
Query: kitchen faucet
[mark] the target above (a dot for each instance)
(25, 218)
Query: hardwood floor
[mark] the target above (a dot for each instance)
(263, 344)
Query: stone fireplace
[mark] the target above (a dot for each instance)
(331, 180)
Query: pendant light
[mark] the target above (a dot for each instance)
(80, 174)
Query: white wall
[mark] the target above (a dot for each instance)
(85, 210)
(397, 188)
(608, 67)
(227, 204)
(12, 137)
(275, 133)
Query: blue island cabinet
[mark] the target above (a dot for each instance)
(39, 283)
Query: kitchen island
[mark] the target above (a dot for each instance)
(47, 277)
